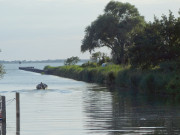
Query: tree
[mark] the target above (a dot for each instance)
(114, 29)
(99, 58)
(2, 72)
(144, 52)
(157, 43)
(71, 61)
(95, 57)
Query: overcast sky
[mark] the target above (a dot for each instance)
(53, 29)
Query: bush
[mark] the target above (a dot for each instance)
(149, 81)
(47, 67)
(89, 64)
(135, 79)
(173, 87)
(170, 66)
(111, 78)
(122, 78)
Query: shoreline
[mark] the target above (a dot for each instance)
(154, 81)
(150, 82)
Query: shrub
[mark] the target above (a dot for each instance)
(122, 78)
(135, 79)
(147, 83)
(173, 87)
(111, 78)
(170, 66)
(89, 64)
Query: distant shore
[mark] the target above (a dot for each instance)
(37, 61)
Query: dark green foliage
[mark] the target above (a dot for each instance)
(144, 53)
(155, 49)
(71, 61)
(89, 74)
(89, 64)
(114, 29)
(122, 78)
(170, 66)
(148, 81)
(173, 86)
(135, 79)
(99, 58)
(47, 67)
(95, 57)
(158, 42)
(111, 78)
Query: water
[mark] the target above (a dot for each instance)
(72, 107)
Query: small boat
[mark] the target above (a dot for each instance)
(41, 86)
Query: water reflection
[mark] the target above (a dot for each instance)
(98, 110)
(17, 125)
(76, 108)
(122, 112)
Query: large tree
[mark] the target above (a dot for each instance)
(114, 29)
(157, 43)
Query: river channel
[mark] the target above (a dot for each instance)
(70, 107)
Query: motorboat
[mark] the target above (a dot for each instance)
(41, 86)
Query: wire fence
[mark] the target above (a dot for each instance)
(8, 102)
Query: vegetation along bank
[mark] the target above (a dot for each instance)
(145, 56)
(164, 79)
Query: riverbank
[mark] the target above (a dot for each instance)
(157, 80)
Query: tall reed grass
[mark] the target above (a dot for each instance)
(145, 81)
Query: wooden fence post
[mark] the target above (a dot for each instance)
(17, 113)
(3, 115)
(3, 108)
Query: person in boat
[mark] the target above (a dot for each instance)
(41, 86)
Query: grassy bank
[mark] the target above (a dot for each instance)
(158, 80)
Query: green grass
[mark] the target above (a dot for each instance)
(145, 81)
(90, 74)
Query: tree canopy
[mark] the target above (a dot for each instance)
(122, 29)
(99, 58)
(158, 42)
(71, 61)
(114, 29)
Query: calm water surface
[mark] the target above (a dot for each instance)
(72, 107)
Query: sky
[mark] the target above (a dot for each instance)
(54, 29)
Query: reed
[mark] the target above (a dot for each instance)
(144, 81)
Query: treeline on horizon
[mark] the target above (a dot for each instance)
(38, 61)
